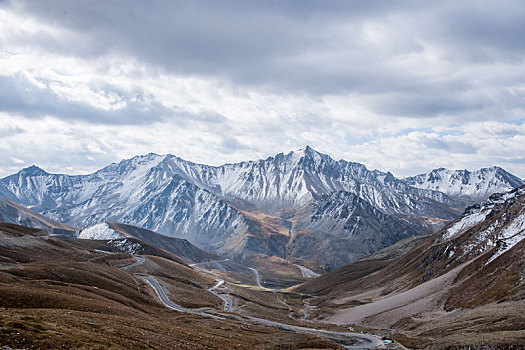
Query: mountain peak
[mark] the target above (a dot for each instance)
(472, 186)
(33, 170)
(307, 151)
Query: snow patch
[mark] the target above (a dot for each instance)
(126, 246)
(100, 231)
(307, 273)
(464, 224)
(510, 236)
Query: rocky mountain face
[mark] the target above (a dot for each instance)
(330, 202)
(353, 227)
(136, 191)
(291, 180)
(469, 186)
(479, 242)
(486, 231)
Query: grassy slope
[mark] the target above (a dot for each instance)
(57, 294)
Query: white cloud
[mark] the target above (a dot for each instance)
(419, 151)
(385, 86)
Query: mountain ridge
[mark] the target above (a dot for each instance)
(205, 204)
(471, 186)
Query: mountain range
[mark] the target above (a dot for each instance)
(301, 205)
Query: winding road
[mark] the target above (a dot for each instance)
(140, 261)
(348, 339)
(227, 300)
(152, 281)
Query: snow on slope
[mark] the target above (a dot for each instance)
(127, 246)
(477, 213)
(510, 236)
(306, 272)
(472, 186)
(100, 231)
(296, 178)
(497, 224)
(469, 220)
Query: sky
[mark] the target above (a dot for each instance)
(400, 86)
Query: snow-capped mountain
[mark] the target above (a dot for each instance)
(293, 179)
(471, 186)
(488, 237)
(486, 243)
(205, 204)
(135, 191)
(496, 224)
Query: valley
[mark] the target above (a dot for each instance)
(462, 286)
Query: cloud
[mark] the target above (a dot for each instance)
(6, 131)
(419, 151)
(310, 46)
(217, 82)
(23, 97)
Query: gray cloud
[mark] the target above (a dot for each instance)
(268, 76)
(20, 96)
(6, 131)
(308, 46)
(241, 39)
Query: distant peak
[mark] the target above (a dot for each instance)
(307, 150)
(33, 170)
(142, 158)
(497, 168)
(150, 155)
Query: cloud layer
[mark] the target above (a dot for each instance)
(400, 86)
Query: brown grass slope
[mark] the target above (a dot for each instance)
(63, 295)
(343, 278)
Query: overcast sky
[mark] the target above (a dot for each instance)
(404, 86)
